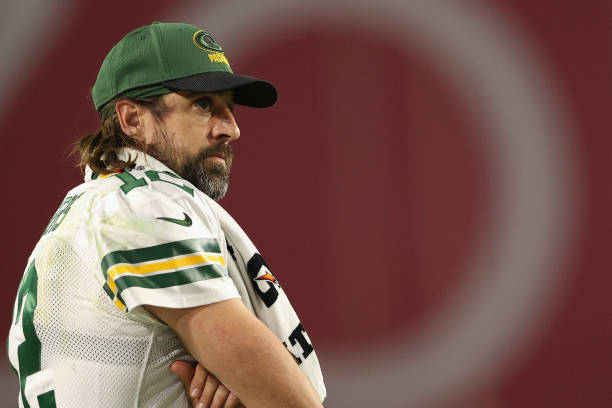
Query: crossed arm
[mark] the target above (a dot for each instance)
(243, 354)
(203, 388)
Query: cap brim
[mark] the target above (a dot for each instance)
(249, 91)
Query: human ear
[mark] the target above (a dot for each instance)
(130, 119)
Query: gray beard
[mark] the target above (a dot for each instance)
(212, 180)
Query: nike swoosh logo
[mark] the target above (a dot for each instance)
(184, 222)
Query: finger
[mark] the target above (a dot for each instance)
(197, 382)
(184, 371)
(232, 402)
(220, 397)
(209, 390)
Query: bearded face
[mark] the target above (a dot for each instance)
(208, 170)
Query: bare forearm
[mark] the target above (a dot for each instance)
(244, 355)
(257, 369)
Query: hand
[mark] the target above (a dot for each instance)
(203, 388)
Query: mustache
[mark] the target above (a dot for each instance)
(222, 150)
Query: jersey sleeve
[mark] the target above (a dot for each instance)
(161, 249)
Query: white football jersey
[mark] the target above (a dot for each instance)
(80, 336)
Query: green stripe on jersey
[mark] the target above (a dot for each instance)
(108, 291)
(29, 351)
(47, 400)
(162, 251)
(165, 280)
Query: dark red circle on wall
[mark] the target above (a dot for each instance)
(364, 186)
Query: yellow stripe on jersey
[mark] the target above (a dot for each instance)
(103, 176)
(119, 304)
(123, 269)
(160, 266)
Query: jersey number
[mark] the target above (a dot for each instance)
(130, 182)
(28, 352)
(61, 213)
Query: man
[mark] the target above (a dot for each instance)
(140, 267)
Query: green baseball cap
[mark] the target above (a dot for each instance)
(163, 57)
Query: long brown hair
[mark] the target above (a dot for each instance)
(99, 150)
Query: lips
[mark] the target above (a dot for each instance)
(217, 159)
(219, 155)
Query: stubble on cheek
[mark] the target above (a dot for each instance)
(164, 150)
(209, 176)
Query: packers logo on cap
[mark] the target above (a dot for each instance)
(205, 41)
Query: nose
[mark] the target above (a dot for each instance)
(225, 126)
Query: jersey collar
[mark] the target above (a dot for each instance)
(143, 162)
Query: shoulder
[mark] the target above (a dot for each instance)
(141, 186)
(146, 208)
(143, 191)
(156, 237)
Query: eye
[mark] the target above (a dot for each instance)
(204, 103)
